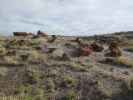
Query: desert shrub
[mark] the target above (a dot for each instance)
(10, 60)
(124, 61)
(28, 98)
(128, 83)
(68, 81)
(24, 57)
(20, 90)
(33, 42)
(32, 77)
(71, 95)
(11, 52)
(79, 67)
(17, 44)
(127, 89)
(35, 56)
(23, 90)
(2, 50)
(50, 86)
(35, 98)
(129, 43)
(30, 93)
(3, 71)
(39, 94)
(121, 61)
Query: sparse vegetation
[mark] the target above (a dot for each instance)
(58, 70)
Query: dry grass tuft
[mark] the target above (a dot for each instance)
(124, 61)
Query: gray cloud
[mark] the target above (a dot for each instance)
(66, 17)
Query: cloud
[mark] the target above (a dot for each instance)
(66, 17)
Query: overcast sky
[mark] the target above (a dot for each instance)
(66, 17)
